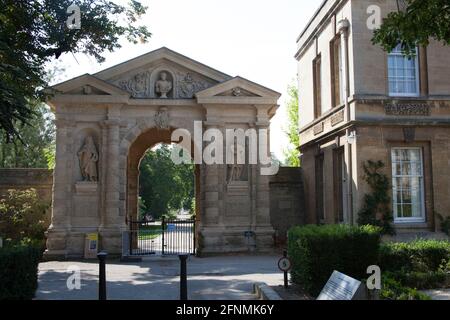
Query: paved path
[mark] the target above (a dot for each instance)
(438, 294)
(156, 278)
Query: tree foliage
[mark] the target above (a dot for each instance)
(33, 32)
(165, 187)
(35, 148)
(292, 154)
(23, 216)
(420, 21)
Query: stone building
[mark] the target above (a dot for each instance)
(360, 103)
(106, 122)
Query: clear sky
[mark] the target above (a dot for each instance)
(254, 39)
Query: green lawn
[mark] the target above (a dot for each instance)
(149, 232)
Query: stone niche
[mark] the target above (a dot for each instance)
(86, 187)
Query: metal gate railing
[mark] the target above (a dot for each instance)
(166, 237)
(178, 236)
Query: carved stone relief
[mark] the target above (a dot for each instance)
(138, 85)
(237, 92)
(166, 85)
(188, 85)
(162, 119)
(407, 109)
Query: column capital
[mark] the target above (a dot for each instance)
(343, 26)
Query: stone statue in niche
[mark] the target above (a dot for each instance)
(88, 157)
(163, 86)
(237, 168)
(236, 171)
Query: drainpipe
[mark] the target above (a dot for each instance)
(343, 27)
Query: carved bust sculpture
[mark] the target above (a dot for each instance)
(88, 157)
(163, 86)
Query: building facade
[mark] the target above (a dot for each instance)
(359, 103)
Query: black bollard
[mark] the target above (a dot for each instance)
(102, 275)
(183, 277)
(286, 284)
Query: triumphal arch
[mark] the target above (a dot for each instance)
(106, 122)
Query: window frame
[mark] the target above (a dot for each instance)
(417, 75)
(403, 220)
(337, 72)
(317, 86)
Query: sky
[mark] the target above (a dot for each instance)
(255, 39)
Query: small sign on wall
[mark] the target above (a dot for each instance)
(91, 246)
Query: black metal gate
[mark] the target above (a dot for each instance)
(166, 237)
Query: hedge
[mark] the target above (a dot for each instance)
(316, 251)
(18, 272)
(417, 256)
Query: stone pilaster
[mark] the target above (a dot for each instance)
(60, 226)
(263, 228)
(113, 224)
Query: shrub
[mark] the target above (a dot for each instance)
(316, 251)
(393, 290)
(418, 256)
(420, 280)
(18, 272)
(23, 215)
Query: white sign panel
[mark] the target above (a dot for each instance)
(339, 287)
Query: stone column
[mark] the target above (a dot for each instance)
(113, 224)
(263, 228)
(212, 228)
(60, 223)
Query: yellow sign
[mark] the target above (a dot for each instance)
(92, 236)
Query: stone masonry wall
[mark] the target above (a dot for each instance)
(39, 179)
(287, 205)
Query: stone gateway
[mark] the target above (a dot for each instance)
(106, 122)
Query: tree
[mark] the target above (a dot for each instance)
(23, 215)
(35, 148)
(415, 24)
(165, 187)
(33, 32)
(292, 154)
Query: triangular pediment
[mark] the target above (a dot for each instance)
(88, 85)
(142, 76)
(237, 89)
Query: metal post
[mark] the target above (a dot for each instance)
(286, 284)
(183, 277)
(162, 227)
(102, 275)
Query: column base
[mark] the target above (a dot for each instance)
(111, 240)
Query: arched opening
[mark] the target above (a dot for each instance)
(162, 197)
